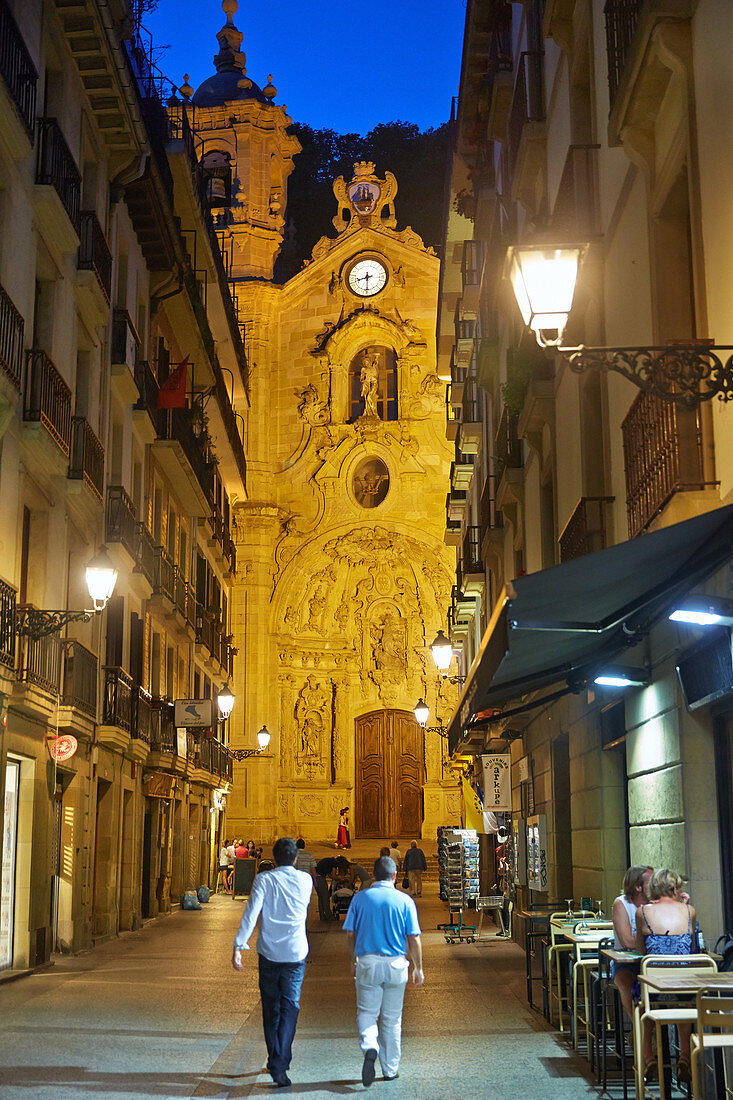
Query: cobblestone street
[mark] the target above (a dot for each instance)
(161, 1013)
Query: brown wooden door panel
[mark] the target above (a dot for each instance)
(389, 775)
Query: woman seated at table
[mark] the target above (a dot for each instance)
(665, 927)
(636, 881)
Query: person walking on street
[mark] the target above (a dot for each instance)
(414, 864)
(396, 855)
(382, 927)
(280, 899)
(305, 860)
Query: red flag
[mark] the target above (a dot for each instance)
(172, 394)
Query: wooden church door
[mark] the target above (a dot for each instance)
(389, 775)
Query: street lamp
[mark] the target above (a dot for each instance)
(225, 702)
(263, 740)
(442, 656)
(543, 278)
(422, 713)
(101, 578)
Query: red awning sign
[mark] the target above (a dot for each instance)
(62, 747)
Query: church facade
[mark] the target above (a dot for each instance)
(343, 578)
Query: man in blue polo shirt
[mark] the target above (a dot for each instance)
(382, 927)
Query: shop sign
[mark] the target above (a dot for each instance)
(181, 743)
(537, 852)
(497, 782)
(194, 712)
(62, 747)
(159, 784)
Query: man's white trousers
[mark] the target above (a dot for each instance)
(380, 992)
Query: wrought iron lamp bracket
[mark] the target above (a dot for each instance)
(684, 374)
(244, 754)
(441, 730)
(34, 622)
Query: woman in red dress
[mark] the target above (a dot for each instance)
(343, 840)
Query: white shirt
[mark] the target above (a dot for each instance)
(280, 897)
(631, 913)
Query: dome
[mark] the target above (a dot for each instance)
(223, 87)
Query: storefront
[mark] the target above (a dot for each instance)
(9, 860)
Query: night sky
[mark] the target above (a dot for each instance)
(337, 66)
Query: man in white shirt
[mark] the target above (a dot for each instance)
(280, 899)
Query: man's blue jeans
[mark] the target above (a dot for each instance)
(280, 993)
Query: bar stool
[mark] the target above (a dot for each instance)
(557, 951)
(712, 1012)
(586, 957)
(661, 1016)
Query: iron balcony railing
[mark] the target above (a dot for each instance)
(117, 709)
(585, 531)
(508, 444)
(164, 575)
(528, 104)
(144, 552)
(40, 662)
(230, 550)
(471, 551)
(162, 730)
(472, 263)
(86, 462)
(663, 455)
(142, 714)
(120, 525)
(80, 677)
(622, 17)
(57, 167)
(125, 340)
(94, 253)
(491, 517)
(7, 625)
(48, 399)
(11, 338)
(147, 387)
(470, 406)
(180, 587)
(16, 68)
(177, 424)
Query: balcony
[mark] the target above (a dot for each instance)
(663, 456)
(79, 682)
(576, 213)
(17, 70)
(48, 399)
(452, 535)
(116, 708)
(622, 17)
(501, 64)
(164, 576)
(472, 266)
(145, 562)
(141, 714)
(11, 338)
(185, 459)
(162, 731)
(585, 531)
(59, 183)
(120, 521)
(453, 414)
(465, 333)
(508, 448)
(86, 462)
(7, 626)
(463, 607)
(40, 663)
(214, 758)
(491, 519)
(461, 471)
(526, 130)
(145, 413)
(471, 577)
(469, 433)
(94, 253)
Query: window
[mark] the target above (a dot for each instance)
(373, 384)
(217, 171)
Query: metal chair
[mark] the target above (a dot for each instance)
(715, 1013)
(556, 952)
(586, 957)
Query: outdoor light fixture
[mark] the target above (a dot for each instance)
(101, 578)
(442, 656)
(543, 277)
(704, 611)
(544, 285)
(618, 676)
(263, 740)
(225, 702)
(422, 713)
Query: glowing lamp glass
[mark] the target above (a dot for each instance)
(422, 712)
(695, 618)
(225, 702)
(263, 738)
(101, 578)
(442, 652)
(543, 280)
(613, 681)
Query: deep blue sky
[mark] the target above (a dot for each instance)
(338, 66)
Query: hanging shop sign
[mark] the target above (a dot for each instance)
(194, 712)
(61, 747)
(159, 784)
(497, 782)
(537, 852)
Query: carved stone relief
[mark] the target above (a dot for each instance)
(313, 724)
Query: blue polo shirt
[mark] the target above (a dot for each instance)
(382, 919)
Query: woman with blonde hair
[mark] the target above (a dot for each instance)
(665, 927)
(625, 908)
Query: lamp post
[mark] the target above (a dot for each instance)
(544, 277)
(101, 578)
(263, 740)
(443, 651)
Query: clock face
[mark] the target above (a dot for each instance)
(367, 277)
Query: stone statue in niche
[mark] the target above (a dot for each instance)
(388, 643)
(369, 378)
(311, 708)
(370, 482)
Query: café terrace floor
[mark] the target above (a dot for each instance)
(161, 1013)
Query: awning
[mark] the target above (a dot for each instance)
(560, 624)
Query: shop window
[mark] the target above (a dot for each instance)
(373, 384)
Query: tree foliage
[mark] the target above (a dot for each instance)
(417, 158)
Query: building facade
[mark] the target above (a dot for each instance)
(111, 276)
(592, 124)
